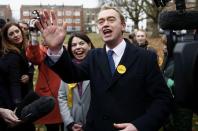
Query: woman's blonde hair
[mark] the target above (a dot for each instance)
(140, 30)
(7, 45)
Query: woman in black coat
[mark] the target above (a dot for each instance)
(14, 75)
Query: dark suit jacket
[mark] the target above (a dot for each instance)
(139, 96)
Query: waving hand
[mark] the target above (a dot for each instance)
(53, 34)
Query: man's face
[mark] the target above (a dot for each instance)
(110, 26)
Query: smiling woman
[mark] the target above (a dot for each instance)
(78, 46)
(70, 95)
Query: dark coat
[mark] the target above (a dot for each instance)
(139, 96)
(12, 91)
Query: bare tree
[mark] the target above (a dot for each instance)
(134, 11)
(152, 13)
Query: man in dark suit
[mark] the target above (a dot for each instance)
(128, 91)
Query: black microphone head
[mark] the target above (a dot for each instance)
(174, 20)
(37, 109)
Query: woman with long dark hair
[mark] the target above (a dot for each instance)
(14, 75)
(74, 98)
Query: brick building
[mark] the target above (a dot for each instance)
(72, 15)
(5, 12)
(90, 17)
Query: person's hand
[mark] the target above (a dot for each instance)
(77, 127)
(53, 34)
(24, 79)
(125, 127)
(9, 117)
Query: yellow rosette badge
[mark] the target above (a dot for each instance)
(121, 69)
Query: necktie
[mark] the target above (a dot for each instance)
(111, 61)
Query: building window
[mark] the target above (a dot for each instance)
(60, 13)
(68, 20)
(1, 13)
(69, 28)
(93, 17)
(77, 20)
(68, 13)
(60, 21)
(77, 13)
(26, 13)
(77, 28)
(88, 19)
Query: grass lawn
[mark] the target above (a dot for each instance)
(154, 42)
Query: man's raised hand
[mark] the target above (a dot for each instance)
(53, 34)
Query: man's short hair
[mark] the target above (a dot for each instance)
(108, 6)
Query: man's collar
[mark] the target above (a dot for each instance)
(119, 49)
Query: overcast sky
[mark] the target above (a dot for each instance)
(15, 4)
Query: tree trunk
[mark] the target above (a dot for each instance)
(136, 25)
(155, 30)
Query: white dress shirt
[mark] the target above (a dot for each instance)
(117, 55)
(118, 52)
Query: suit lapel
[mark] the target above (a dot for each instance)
(76, 92)
(127, 60)
(84, 86)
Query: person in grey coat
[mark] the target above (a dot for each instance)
(74, 98)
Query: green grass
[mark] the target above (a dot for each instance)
(95, 38)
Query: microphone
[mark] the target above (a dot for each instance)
(174, 20)
(34, 107)
(29, 98)
(37, 109)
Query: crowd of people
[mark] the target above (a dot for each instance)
(117, 87)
